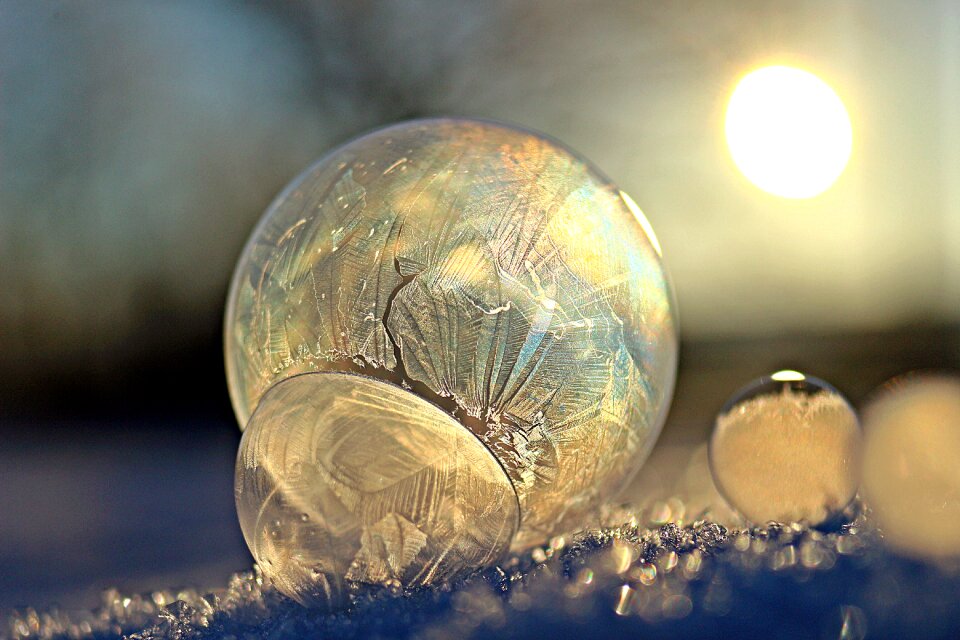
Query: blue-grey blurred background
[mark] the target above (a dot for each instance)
(140, 141)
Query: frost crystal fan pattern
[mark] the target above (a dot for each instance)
(501, 284)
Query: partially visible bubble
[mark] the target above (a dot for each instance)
(912, 464)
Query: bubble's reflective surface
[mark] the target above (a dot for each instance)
(487, 271)
(912, 464)
(786, 448)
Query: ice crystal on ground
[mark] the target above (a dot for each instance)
(628, 576)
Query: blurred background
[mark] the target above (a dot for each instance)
(140, 142)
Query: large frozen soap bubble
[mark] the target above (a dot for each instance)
(446, 340)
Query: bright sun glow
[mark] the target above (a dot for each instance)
(788, 132)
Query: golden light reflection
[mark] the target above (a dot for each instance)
(788, 132)
(788, 375)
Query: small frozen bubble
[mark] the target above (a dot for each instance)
(912, 464)
(786, 448)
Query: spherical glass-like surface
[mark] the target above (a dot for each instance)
(786, 448)
(479, 271)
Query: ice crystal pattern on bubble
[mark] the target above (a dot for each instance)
(480, 270)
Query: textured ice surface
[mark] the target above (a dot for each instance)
(486, 269)
(343, 479)
(633, 575)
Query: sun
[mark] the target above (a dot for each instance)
(788, 132)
